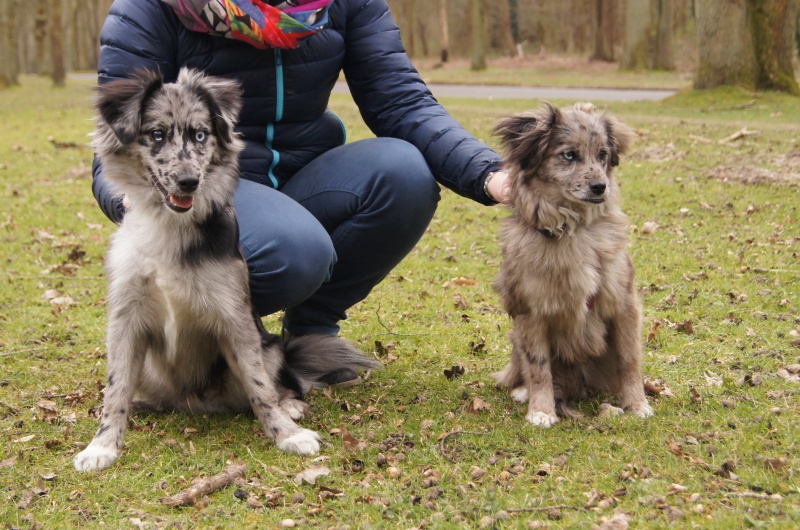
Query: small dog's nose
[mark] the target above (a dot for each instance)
(188, 183)
(598, 188)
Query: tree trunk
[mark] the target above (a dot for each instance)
(663, 56)
(648, 35)
(638, 36)
(58, 71)
(725, 47)
(9, 68)
(604, 27)
(773, 23)
(513, 19)
(445, 53)
(40, 32)
(407, 29)
(477, 12)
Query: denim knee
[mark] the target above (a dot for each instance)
(290, 269)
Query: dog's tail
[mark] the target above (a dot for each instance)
(313, 357)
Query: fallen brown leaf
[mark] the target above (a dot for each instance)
(477, 405)
(311, 474)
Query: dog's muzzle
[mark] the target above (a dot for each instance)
(179, 202)
(598, 192)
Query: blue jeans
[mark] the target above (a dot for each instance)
(334, 231)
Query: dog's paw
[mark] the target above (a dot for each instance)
(541, 419)
(95, 458)
(607, 410)
(520, 394)
(304, 442)
(643, 410)
(295, 408)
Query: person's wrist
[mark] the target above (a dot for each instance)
(486, 182)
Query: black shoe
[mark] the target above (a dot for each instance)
(341, 378)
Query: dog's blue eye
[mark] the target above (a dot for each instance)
(157, 135)
(200, 136)
(569, 156)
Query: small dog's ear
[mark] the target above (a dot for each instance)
(526, 137)
(619, 138)
(223, 97)
(120, 104)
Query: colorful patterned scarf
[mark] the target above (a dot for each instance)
(274, 24)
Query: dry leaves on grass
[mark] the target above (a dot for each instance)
(790, 373)
(310, 475)
(477, 405)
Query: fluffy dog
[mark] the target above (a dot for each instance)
(567, 280)
(182, 332)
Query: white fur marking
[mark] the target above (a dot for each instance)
(520, 394)
(95, 458)
(542, 419)
(305, 443)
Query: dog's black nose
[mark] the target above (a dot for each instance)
(188, 183)
(598, 188)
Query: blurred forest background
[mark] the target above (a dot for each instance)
(750, 43)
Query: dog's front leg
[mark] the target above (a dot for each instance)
(628, 345)
(530, 341)
(126, 350)
(254, 364)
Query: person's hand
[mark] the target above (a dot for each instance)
(498, 187)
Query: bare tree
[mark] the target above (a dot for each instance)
(725, 47)
(746, 43)
(648, 35)
(445, 29)
(605, 28)
(478, 34)
(9, 68)
(407, 28)
(774, 23)
(58, 72)
(663, 57)
(41, 64)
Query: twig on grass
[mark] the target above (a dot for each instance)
(205, 486)
(754, 495)
(545, 508)
(742, 133)
(454, 433)
(389, 331)
(24, 350)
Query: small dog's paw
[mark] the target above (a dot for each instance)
(520, 394)
(643, 410)
(304, 442)
(607, 410)
(95, 458)
(542, 419)
(295, 408)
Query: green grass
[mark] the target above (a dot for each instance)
(725, 258)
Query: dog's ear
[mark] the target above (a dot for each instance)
(120, 104)
(222, 96)
(526, 137)
(619, 138)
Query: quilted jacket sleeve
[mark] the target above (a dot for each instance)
(394, 101)
(136, 34)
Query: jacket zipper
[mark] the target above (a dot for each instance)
(279, 94)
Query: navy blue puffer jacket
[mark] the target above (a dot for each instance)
(285, 121)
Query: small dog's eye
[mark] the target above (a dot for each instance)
(157, 135)
(569, 156)
(602, 155)
(200, 136)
